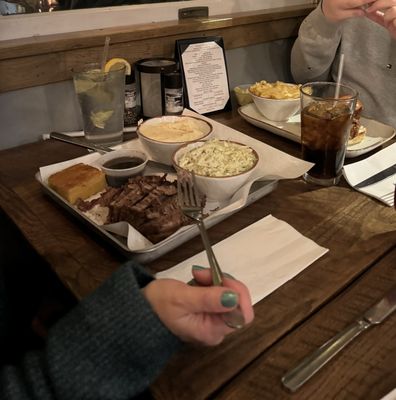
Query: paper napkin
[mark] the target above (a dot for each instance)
(361, 170)
(390, 396)
(264, 256)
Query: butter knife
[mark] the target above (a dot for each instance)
(79, 142)
(103, 149)
(297, 376)
(380, 176)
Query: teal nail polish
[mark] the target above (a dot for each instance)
(198, 268)
(229, 299)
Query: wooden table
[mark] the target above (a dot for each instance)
(295, 319)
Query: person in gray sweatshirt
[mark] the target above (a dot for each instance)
(365, 32)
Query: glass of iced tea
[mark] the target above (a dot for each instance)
(326, 119)
(101, 96)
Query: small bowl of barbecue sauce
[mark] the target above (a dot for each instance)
(120, 165)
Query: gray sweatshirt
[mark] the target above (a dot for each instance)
(369, 65)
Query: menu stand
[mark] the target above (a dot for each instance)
(204, 70)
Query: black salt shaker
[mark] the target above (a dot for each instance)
(131, 115)
(173, 93)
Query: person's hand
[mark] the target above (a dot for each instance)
(383, 12)
(194, 313)
(338, 10)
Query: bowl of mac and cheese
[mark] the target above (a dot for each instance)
(276, 101)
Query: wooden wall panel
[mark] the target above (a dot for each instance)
(39, 61)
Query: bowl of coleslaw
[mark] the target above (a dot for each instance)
(221, 167)
(277, 101)
(161, 136)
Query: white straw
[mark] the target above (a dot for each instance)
(105, 52)
(339, 76)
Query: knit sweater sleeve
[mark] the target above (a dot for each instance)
(315, 48)
(111, 346)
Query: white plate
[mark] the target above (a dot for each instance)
(377, 132)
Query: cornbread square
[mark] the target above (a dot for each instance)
(79, 181)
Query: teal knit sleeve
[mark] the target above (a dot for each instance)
(111, 346)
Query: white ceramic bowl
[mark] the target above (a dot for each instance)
(242, 94)
(216, 188)
(162, 148)
(121, 164)
(276, 110)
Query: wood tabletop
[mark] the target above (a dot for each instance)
(359, 268)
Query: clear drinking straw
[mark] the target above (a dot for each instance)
(339, 75)
(105, 52)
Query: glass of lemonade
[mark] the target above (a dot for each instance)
(326, 119)
(101, 96)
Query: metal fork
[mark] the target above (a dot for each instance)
(191, 205)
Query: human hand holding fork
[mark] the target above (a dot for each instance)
(191, 205)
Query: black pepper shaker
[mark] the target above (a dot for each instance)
(131, 116)
(173, 93)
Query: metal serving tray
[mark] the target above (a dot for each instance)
(258, 189)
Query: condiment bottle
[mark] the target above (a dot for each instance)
(173, 93)
(150, 84)
(131, 116)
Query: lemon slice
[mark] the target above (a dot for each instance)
(100, 118)
(114, 62)
(82, 86)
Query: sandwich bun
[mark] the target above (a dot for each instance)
(358, 131)
(358, 137)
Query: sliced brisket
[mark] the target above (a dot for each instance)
(148, 203)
